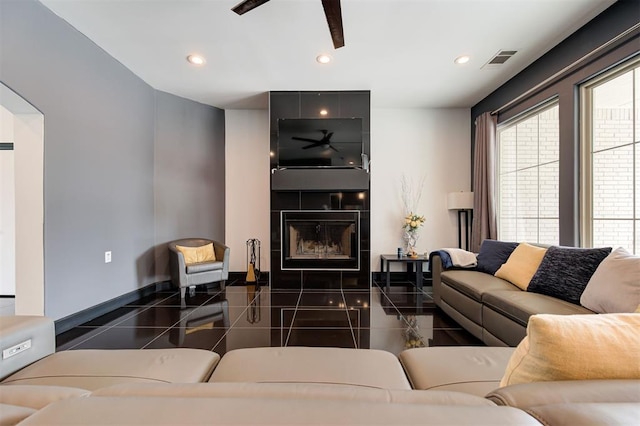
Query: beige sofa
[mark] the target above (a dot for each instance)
(492, 309)
(293, 385)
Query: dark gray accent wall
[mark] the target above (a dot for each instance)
(189, 174)
(620, 17)
(100, 138)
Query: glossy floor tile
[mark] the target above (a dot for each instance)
(245, 316)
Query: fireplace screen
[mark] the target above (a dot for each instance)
(324, 239)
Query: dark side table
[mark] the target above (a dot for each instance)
(410, 262)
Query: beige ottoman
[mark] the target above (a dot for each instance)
(93, 369)
(471, 369)
(361, 367)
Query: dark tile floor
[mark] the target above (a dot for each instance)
(241, 317)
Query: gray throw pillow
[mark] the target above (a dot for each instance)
(493, 254)
(565, 272)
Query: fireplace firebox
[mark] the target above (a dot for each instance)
(320, 240)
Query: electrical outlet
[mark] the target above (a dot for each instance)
(107, 257)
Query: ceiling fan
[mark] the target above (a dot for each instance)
(324, 142)
(332, 11)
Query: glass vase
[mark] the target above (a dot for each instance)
(411, 240)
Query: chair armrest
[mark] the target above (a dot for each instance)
(177, 265)
(222, 252)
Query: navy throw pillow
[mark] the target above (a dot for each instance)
(565, 272)
(493, 254)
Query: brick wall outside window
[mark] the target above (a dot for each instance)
(528, 178)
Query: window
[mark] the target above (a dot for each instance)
(610, 108)
(528, 160)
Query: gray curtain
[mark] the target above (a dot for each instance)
(485, 224)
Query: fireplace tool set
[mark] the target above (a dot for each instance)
(252, 280)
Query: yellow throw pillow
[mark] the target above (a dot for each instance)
(521, 265)
(577, 347)
(197, 254)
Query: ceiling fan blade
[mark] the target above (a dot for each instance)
(313, 145)
(295, 138)
(334, 148)
(247, 5)
(333, 12)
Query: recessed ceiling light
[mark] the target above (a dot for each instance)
(323, 59)
(196, 59)
(324, 112)
(461, 59)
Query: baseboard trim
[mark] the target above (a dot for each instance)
(74, 320)
(238, 278)
(381, 277)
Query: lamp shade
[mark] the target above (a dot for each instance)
(460, 200)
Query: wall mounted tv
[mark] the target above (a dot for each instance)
(320, 142)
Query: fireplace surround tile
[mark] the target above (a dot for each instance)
(320, 189)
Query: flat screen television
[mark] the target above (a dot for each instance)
(320, 142)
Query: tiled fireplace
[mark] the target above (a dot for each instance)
(320, 215)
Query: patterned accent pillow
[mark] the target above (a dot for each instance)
(493, 254)
(565, 272)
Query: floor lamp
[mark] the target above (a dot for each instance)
(463, 203)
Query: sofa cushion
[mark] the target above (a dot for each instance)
(36, 397)
(194, 268)
(292, 364)
(520, 305)
(474, 370)
(576, 347)
(93, 369)
(522, 265)
(199, 254)
(565, 271)
(615, 285)
(493, 254)
(475, 284)
(14, 414)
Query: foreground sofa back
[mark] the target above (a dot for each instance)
(169, 388)
(580, 402)
(24, 340)
(245, 410)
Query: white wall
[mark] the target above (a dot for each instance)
(23, 258)
(7, 208)
(247, 202)
(416, 143)
(29, 166)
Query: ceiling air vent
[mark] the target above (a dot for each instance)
(500, 58)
